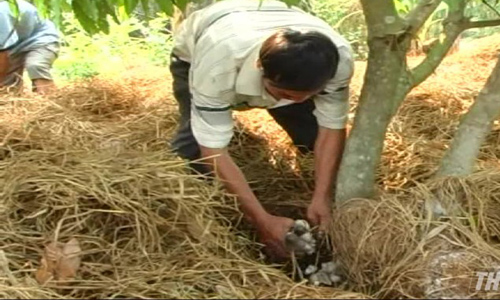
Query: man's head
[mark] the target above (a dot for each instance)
(297, 65)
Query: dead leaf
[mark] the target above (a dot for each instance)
(52, 254)
(70, 261)
(43, 274)
(49, 262)
(59, 262)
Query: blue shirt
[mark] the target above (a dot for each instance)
(29, 31)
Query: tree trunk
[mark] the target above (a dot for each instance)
(473, 129)
(386, 85)
(387, 82)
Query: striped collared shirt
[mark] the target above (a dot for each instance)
(222, 43)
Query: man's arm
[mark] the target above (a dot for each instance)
(271, 229)
(4, 66)
(328, 151)
(332, 108)
(235, 182)
(212, 126)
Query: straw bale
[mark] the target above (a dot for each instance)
(391, 248)
(474, 199)
(369, 237)
(443, 265)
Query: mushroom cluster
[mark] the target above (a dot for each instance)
(300, 239)
(304, 245)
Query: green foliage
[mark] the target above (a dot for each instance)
(94, 15)
(85, 55)
(14, 7)
(346, 16)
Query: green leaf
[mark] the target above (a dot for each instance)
(87, 23)
(14, 7)
(110, 7)
(292, 2)
(166, 6)
(65, 5)
(90, 8)
(130, 5)
(103, 17)
(55, 9)
(103, 12)
(181, 4)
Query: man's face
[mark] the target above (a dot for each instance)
(295, 96)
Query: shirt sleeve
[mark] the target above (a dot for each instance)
(211, 121)
(184, 37)
(212, 82)
(332, 104)
(8, 34)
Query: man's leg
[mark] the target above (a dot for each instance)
(39, 64)
(184, 143)
(299, 122)
(14, 80)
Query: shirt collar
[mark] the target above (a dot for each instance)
(249, 79)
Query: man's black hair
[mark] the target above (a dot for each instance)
(300, 61)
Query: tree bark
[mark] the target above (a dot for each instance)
(386, 85)
(476, 124)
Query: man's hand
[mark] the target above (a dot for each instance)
(272, 231)
(319, 213)
(4, 66)
(328, 151)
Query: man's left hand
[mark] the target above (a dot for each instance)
(319, 213)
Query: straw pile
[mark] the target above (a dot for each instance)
(92, 163)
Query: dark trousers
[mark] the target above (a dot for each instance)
(296, 119)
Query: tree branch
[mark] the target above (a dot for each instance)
(491, 7)
(481, 24)
(417, 16)
(454, 24)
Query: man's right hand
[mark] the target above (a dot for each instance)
(272, 231)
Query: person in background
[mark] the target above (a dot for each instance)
(26, 42)
(233, 55)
